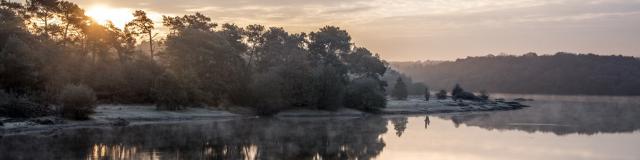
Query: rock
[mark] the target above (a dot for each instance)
(47, 120)
(515, 104)
(522, 99)
(120, 122)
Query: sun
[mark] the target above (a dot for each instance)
(103, 13)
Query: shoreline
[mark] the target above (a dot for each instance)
(109, 115)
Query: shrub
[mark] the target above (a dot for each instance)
(172, 94)
(138, 77)
(15, 106)
(77, 101)
(365, 94)
(466, 96)
(442, 94)
(267, 91)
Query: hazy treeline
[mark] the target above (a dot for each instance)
(413, 87)
(562, 73)
(46, 45)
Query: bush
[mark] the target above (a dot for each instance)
(77, 101)
(456, 90)
(365, 94)
(466, 96)
(138, 77)
(172, 94)
(267, 91)
(14, 106)
(442, 94)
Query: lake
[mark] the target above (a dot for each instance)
(555, 127)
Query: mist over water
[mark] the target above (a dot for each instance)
(555, 127)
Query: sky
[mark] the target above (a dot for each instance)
(411, 30)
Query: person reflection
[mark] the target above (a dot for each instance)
(426, 122)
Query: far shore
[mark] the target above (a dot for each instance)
(109, 115)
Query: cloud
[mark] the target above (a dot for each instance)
(202, 9)
(578, 17)
(388, 26)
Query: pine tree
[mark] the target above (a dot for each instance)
(400, 90)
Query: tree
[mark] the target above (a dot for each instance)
(329, 42)
(206, 60)
(141, 24)
(326, 47)
(43, 10)
(195, 21)
(72, 16)
(441, 95)
(427, 94)
(254, 34)
(233, 34)
(362, 62)
(400, 90)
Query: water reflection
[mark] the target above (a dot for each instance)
(562, 115)
(344, 138)
(551, 129)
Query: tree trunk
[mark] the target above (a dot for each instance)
(66, 29)
(151, 44)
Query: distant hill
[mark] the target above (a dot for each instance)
(562, 73)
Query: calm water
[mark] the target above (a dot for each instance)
(556, 127)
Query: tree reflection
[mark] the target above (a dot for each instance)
(399, 124)
(357, 138)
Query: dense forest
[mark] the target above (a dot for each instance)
(562, 73)
(52, 54)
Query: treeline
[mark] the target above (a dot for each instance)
(562, 73)
(412, 87)
(49, 45)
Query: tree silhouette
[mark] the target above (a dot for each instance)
(142, 25)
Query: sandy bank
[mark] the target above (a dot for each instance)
(113, 115)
